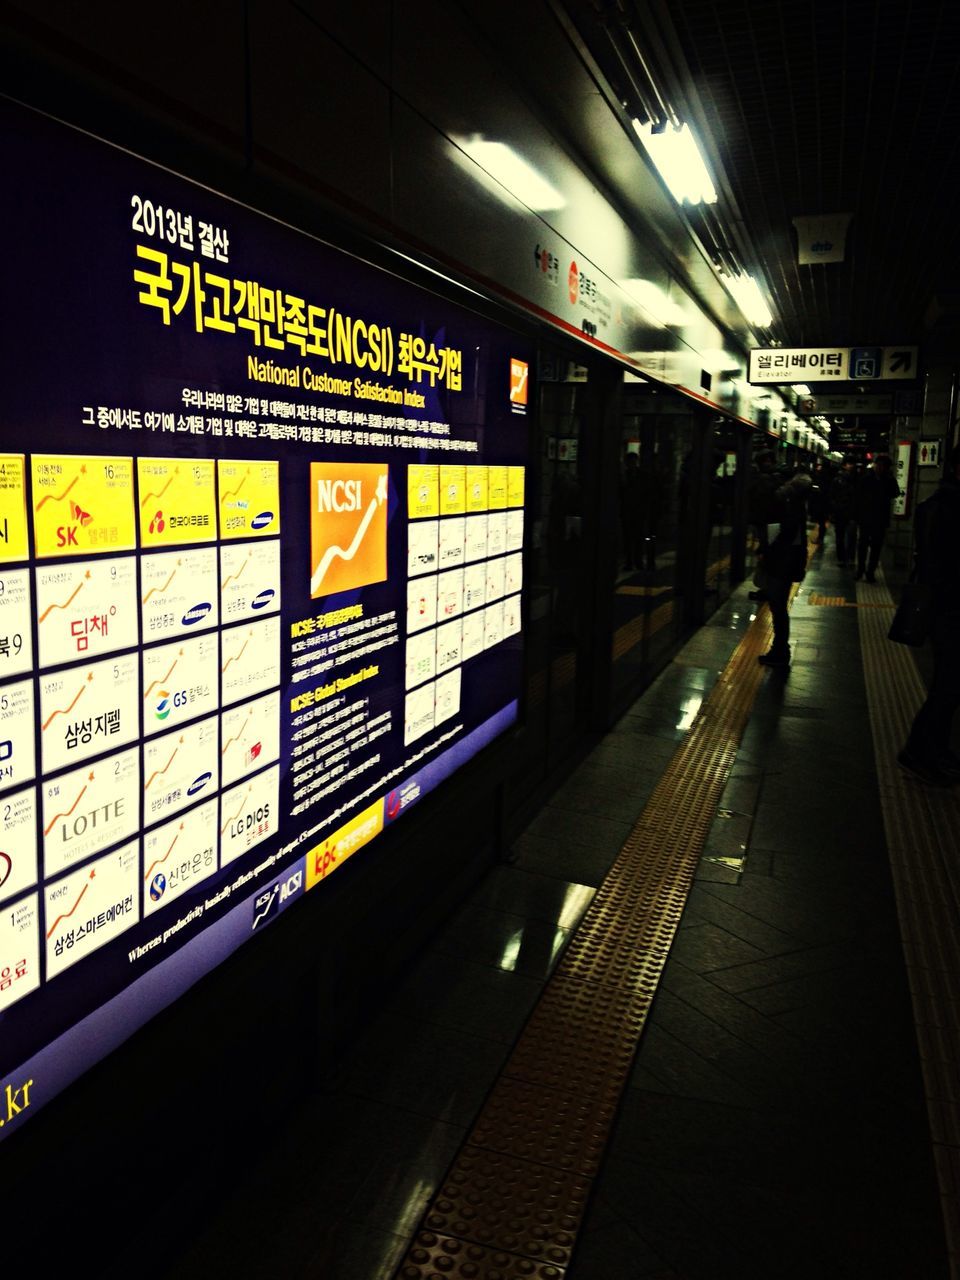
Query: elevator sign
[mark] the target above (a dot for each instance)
(780, 365)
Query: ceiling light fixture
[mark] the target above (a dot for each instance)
(746, 294)
(514, 173)
(655, 302)
(677, 157)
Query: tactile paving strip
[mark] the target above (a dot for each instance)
(502, 1202)
(560, 1128)
(514, 1199)
(580, 1036)
(436, 1257)
(922, 826)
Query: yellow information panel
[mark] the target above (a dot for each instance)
(177, 501)
(476, 489)
(13, 508)
(82, 504)
(453, 491)
(497, 488)
(249, 498)
(423, 491)
(514, 486)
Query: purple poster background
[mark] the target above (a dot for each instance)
(147, 318)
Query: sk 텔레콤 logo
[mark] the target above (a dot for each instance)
(348, 526)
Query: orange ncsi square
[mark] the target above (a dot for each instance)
(348, 526)
(518, 381)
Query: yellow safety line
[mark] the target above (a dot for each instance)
(922, 826)
(517, 1191)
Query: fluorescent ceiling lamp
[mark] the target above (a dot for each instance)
(512, 171)
(801, 389)
(746, 294)
(679, 162)
(714, 360)
(655, 302)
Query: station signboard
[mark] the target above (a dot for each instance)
(784, 365)
(261, 579)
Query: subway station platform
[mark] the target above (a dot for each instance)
(704, 1023)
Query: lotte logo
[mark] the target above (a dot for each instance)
(573, 282)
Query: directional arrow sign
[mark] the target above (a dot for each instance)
(899, 362)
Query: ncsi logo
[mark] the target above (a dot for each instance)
(519, 385)
(348, 526)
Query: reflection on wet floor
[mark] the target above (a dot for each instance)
(781, 1029)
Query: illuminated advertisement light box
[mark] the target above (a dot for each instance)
(179, 769)
(176, 501)
(180, 682)
(18, 854)
(86, 608)
(178, 856)
(179, 593)
(17, 739)
(248, 570)
(16, 654)
(81, 504)
(87, 710)
(250, 580)
(249, 815)
(89, 809)
(249, 737)
(13, 508)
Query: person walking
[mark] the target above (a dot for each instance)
(927, 752)
(818, 500)
(785, 562)
(875, 490)
(841, 496)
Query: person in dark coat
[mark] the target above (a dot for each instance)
(927, 752)
(876, 489)
(761, 509)
(841, 496)
(785, 562)
(818, 501)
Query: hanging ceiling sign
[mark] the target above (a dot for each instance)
(840, 364)
(822, 238)
(847, 404)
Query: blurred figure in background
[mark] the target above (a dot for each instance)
(928, 753)
(875, 490)
(842, 492)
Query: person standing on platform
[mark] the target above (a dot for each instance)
(785, 562)
(927, 752)
(842, 492)
(876, 489)
(761, 506)
(818, 501)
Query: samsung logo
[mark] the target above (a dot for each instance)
(262, 520)
(263, 598)
(195, 614)
(198, 783)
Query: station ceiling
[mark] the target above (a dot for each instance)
(810, 107)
